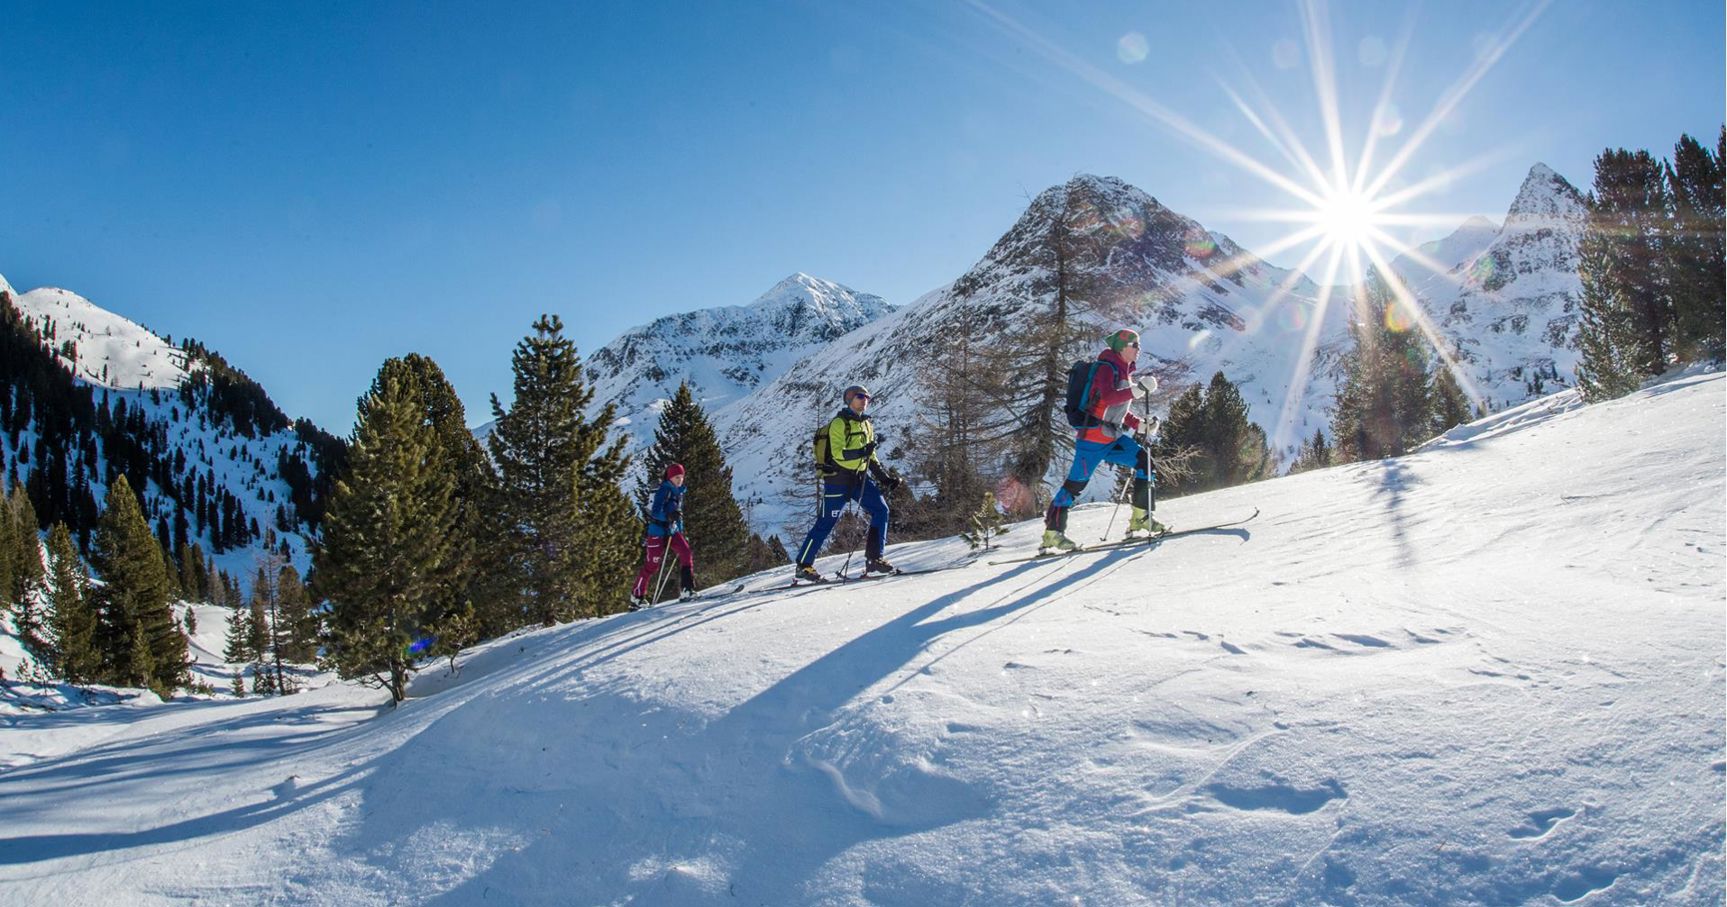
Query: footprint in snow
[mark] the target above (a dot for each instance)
(1278, 797)
(1541, 823)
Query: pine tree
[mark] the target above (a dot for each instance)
(574, 539)
(26, 548)
(237, 641)
(1181, 452)
(1314, 454)
(9, 554)
(713, 522)
(389, 534)
(299, 623)
(987, 523)
(1450, 405)
(258, 627)
(1696, 272)
(70, 615)
(1383, 408)
(1609, 347)
(1629, 217)
(134, 597)
(955, 447)
(761, 555)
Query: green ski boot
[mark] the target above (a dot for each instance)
(1144, 522)
(1054, 541)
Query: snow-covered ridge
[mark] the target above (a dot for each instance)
(98, 346)
(724, 352)
(1486, 673)
(135, 372)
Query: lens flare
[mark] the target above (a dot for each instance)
(1132, 48)
(1200, 248)
(1396, 319)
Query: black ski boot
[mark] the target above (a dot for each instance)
(879, 566)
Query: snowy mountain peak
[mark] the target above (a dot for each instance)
(6, 287)
(99, 346)
(724, 352)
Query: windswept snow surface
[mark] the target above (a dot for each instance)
(1490, 672)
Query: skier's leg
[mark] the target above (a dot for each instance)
(656, 546)
(1086, 456)
(834, 499)
(687, 560)
(875, 505)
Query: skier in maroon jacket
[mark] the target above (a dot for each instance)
(1107, 437)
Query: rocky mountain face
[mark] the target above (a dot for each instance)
(724, 353)
(1506, 301)
(1096, 254)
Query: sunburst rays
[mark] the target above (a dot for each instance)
(1344, 208)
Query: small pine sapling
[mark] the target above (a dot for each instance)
(986, 524)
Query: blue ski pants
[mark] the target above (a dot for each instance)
(836, 493)
(1087, 457)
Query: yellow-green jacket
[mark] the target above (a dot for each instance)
(849, 437)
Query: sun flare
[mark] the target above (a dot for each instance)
(1346, 218)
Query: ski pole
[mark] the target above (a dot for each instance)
(665, 562)
(1122, 496)
(848, 564)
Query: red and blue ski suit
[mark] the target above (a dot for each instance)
(1107, 439)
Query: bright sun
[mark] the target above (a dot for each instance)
(1346, 217)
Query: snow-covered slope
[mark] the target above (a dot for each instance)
(1487, 673)
(100, 347)
(724, 353)
(191, 427)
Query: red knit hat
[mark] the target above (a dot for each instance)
(674, 470)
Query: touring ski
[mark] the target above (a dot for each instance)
(1126, 543)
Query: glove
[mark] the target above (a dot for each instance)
(1144, 386)
(891, 482)
(869, 449)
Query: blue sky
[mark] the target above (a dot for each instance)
(311, 188)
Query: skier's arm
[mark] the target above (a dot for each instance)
(657, 513)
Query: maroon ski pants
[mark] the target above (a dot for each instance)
(656, 545)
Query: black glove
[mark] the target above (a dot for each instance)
(869, 448)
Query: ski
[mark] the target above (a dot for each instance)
(841, 580)
(1126, 543)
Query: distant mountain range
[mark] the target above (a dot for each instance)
(1503, 298)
